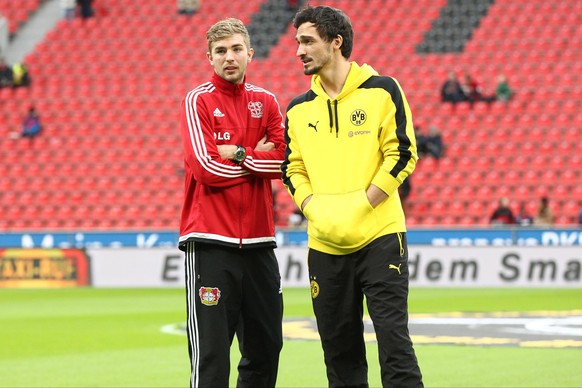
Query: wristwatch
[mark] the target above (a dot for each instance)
(240, 154)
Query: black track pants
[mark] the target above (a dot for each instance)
(380, 272)
(228, 291)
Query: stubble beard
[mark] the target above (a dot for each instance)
(312, 70)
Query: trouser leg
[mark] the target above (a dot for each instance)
(383, 270)
(260, 332)
(213, 310)
(338, 306)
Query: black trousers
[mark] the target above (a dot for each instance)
(228, 291)
(338, 286)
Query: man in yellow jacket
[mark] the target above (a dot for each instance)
(350, 145)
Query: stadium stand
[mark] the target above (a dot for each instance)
(108, 91)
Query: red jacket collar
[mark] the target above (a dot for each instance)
(228, 87)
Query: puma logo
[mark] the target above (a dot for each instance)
(314, 126)
(392, 266)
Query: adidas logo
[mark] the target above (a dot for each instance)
(218, 113)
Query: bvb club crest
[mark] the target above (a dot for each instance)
(314, 289)
(256, 108)
(209, 296)
(358, 117)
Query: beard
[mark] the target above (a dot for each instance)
(312, 70)
(318, 62)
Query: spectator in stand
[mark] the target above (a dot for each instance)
(523, 218)
(31, 126)
(544, 216)
(86, 8)
(473, 91)
(188, 7)
(434, 143)
(69, 8)
(430, 144)
(503, 92)
(20, 75)
(420, 141)
(580, 218)
(452, 91)
(6, 75)
(503, 214)
(471, 88)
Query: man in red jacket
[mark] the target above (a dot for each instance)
(233, 147)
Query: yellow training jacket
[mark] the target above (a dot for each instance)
(337, 147)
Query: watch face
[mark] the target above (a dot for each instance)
(239, 154)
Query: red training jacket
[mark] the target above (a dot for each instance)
(226, 203)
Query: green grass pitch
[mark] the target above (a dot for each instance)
(111, 338)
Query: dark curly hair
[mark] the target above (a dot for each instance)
(329, 23)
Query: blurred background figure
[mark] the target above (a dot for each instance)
(503, 92)
(473, 90)
(451, 90)
(502, 215)
(20, 75)
(68, 8)
(188, 7)
(31, 126)
(6, 74)
(523, 218)
(545, 215)
(87, 10)
(434, 142)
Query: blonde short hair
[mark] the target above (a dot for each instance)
(225, 29)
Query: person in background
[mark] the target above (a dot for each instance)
(502, 215)
(452, 91)
(434, 142)
(188, 7)
(21, 75)
(473, 90)
(523, 218)
(31, 126)
(421, 140)
(350, 145)
(503, 92)
(87, 10)
(544, 216)
(68, 8)
(6, 75)
(233, 139)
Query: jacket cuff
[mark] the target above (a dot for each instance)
(386, 182)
